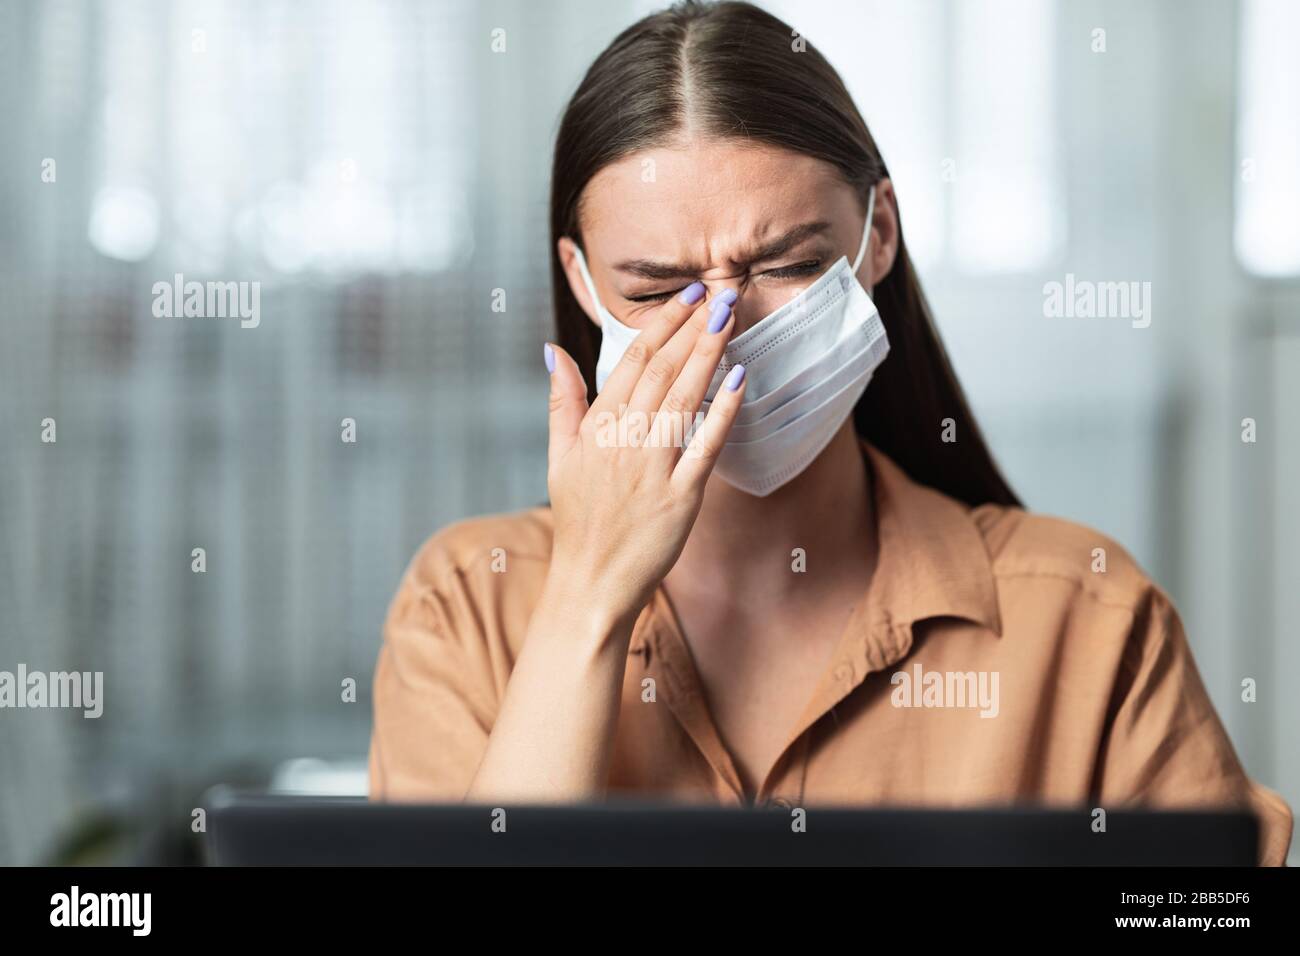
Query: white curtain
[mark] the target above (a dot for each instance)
(381, 168)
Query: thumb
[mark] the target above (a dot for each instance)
(568, 400)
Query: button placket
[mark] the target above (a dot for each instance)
(684, 699)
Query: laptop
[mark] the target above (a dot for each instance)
(248, 830)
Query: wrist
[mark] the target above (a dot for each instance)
(576, 595)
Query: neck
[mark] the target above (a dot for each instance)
(742, 545)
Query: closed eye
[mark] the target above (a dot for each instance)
(797, 271)
(654, 296)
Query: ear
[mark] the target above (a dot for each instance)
(567, 250)
(884, 234)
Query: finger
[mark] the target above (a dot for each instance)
(667, 364)
(687, 393)
(696, 464)
(568, 400)
(675, 312)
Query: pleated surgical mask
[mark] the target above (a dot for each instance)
(806, 366)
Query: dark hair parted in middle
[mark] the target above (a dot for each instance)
(731, 70)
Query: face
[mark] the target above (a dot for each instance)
(759, 219)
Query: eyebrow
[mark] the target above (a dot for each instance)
(651, 269)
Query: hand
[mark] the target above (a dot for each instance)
(624, 494)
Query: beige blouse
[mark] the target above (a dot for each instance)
(987, 663)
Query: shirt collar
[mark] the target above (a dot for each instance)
(932, 560)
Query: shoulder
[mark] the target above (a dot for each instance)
(484, 545)
(472, 586)
(476, 580)
(1034, 550)
(1058, 578)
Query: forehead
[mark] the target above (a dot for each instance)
(706, 200)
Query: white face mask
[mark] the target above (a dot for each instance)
(806, 366)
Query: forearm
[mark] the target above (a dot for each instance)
(552, 737)
(621, 514)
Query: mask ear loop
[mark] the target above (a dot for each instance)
(586, 280)
(866, 232)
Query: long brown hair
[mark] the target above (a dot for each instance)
(738, 71)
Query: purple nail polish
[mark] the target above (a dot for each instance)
(734, 378)
(719, 313)
(728, 296)
(692, 293)
(548, 353)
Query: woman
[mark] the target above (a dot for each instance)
(830, 594)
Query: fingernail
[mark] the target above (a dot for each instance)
(548, 353)
(734, 378)
(719, 313)
(728, 296)
(692, 293)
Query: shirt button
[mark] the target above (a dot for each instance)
(781, 802)
(843, 671)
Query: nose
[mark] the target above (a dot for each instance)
(719, 284)
(738, 285)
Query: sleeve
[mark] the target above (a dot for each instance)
(434, 697)
(1165, 745)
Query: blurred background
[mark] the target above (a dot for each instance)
(381, 168)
